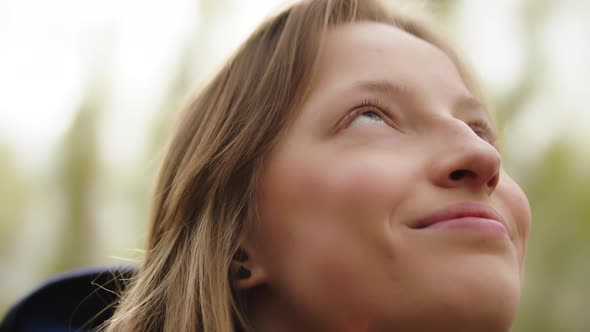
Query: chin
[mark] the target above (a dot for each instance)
(466, 315)
(480, 297)
(485, 299)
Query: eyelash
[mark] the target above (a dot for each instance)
(373, 105)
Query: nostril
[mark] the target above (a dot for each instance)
(458, 174)
(494, 181)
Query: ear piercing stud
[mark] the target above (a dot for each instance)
(243, 273)
(241, 256)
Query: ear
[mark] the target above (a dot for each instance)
(246, 271)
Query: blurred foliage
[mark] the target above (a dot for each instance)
(556, 290)
(77, 174)
(13, 195)
(558, 187)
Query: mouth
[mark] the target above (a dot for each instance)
(465, 216)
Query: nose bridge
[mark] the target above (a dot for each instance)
(465, 160)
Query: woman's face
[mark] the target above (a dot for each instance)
(390, 140)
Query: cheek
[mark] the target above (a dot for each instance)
(325, 220)
(517, 205)
(330, 187)
(300, 199)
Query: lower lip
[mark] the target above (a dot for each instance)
(471, 224)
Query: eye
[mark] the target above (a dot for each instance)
(367, 117)
(483, 130)
(370, 112)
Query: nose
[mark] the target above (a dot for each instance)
(469, 162)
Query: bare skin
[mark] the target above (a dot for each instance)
(389, 137)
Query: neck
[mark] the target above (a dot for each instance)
(268, 313)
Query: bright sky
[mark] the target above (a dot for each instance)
(51, 52)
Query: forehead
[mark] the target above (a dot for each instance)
(369, 51)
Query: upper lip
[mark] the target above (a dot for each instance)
(461, 210)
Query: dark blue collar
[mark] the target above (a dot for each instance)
(79, 300)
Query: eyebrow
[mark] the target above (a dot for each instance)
(384, 86)
(467, 102)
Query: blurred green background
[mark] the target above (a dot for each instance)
(88, 90)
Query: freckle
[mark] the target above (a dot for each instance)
(395, 277)
(389, 255)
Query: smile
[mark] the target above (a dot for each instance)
(467, 216)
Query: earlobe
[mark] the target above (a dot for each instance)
(245, 271)
(244, 278)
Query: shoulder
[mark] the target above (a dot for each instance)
(77, 300)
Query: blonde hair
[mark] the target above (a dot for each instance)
(204, 201)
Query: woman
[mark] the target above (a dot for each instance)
(339, 173)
